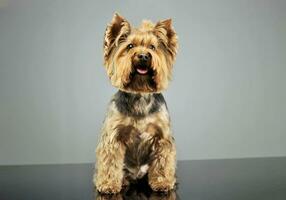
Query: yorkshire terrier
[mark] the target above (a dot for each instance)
(136, 138)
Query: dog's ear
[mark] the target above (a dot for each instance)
(167, 35)
(118, 28)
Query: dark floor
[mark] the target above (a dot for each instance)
(259, 178)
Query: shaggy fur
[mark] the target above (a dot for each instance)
(136, 139)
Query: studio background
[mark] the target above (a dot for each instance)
(227, 98)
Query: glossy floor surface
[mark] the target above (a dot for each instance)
(247, 179)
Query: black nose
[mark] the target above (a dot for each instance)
(144, 57)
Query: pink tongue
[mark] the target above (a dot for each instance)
(142, 71)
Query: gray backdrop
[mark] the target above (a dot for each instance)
(227, 98)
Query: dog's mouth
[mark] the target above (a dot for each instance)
(141, 78)
(141, 69)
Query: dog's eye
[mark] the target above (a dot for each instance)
(130, 46)
(152, 47)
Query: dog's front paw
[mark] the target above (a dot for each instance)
(161, 184)
(109, 188)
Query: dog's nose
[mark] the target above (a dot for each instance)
(144, 57)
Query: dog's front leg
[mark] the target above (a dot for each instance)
(161, 175)
(109, 166)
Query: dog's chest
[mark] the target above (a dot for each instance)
(139, 122)
(139, 150)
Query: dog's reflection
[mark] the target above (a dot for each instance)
(138, 196)
(138, 191)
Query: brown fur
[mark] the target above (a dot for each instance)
(136, 137)
(119, 61)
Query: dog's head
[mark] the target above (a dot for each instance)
(140, 59)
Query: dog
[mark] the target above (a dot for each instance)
(136, 138)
